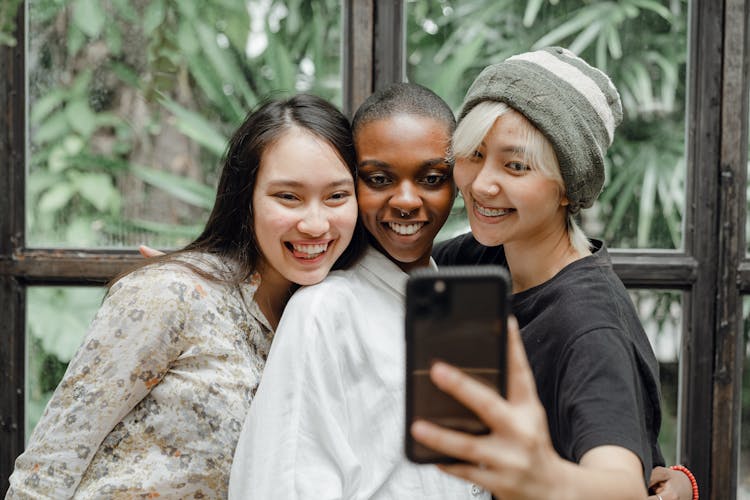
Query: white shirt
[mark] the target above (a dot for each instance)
(328, 419)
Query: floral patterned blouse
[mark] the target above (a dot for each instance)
(152, 403)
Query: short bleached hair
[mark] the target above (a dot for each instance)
(539, 153)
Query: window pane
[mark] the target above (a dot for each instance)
(57, 320)
(743, 479)
(130, 106)
(661, 315)
(642, 45)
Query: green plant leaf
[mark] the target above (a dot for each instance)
(80, 233)
(126, 10)
(81, 84)
(188, 8)
(448, 84)
(614, 43)
(114, 39)
(182, 188)
(56, 198)
(187, 39)
(672, 196)
(85, 161)
(532, 9)
(279, 59)
(224, 62)
(621, 206)
(89, 16)
(8, 11)
(106, 119)
(585, 37)
(195, 126)
(126, 74)
(96, 188)
(647, 203)
(153, 16)
(62, 316)
(58, 159)
(40, 181)
(229, 106)
(42, 107)
(580, 21)
(53, 128)
(654, 7)
(166, 230)
(638, 80)
(76, 39)
(80, 117)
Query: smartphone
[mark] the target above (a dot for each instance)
(457, 314)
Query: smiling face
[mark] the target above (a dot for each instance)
(405, 189)
(305, 208)
(508, 199)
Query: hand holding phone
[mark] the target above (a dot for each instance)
(458, 315)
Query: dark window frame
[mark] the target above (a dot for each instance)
(713, 269)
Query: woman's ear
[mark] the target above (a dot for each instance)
(564, 202)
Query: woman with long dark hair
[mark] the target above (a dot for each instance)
(153, 401)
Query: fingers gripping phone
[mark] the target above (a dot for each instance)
(458, 315)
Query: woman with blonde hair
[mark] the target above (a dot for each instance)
(583, 414)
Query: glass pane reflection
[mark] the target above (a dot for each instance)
(661, 315)
(743, 475)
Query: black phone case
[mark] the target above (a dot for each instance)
(457, 314)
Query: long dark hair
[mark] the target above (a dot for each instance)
(229, 232)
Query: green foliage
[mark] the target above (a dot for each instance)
(745, 412)
(661, 315)
(110, 81)
(182, 188)
(58, 319)
(198, 68)
(641, 44)
(8, 10)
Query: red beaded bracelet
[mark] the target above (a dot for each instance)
(690, 476)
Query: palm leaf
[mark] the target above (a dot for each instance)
(195, 126)
(182, 188)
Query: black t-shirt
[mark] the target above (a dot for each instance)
(595, 371)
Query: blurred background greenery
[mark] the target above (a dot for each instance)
(641, 44)
(131, 103)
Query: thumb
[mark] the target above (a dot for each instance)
(147, 251)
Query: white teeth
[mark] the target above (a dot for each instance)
(312, 251)
(491, 212)
(405, 229)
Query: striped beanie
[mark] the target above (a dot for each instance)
(573, 104)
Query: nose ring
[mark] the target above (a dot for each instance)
(404, 213)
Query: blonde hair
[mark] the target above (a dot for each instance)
(472, 130)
